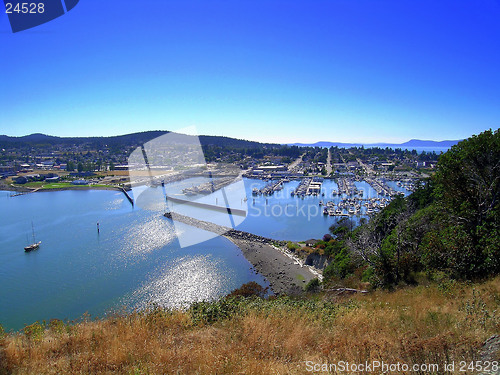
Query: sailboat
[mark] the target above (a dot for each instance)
(35, 245)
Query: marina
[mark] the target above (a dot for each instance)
(270, 188)
(135, 257)
(208, 187)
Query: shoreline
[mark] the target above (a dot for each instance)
(26, 190)
(284, 273)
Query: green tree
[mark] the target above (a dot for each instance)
(468, 178)
(468, 187)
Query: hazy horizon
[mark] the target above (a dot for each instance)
(297, 142)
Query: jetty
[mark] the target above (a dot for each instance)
(286, 274)
(127, 195)
(227, 210)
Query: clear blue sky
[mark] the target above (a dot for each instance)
(266, 70)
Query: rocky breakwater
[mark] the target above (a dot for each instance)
(284, 273)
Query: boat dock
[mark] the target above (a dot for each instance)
(270, 188)
(314, 187)
(346, 186)
(381, 188)
(209, 187)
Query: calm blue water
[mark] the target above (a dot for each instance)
(437, 150)
(280, 216)
(135, 260)
(284, 217)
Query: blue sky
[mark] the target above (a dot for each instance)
(277, 71)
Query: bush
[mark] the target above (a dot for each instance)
(312, 286)
(34, 331)
(367, 274)
(205, 312)
(248, 290)
(292, 246)
(340, 267)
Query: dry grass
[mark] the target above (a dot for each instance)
(425, 324)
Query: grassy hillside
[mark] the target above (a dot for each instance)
(428, 324)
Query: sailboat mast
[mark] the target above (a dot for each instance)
(33, 231)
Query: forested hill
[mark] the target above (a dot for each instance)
(123, 140)
(449, 226)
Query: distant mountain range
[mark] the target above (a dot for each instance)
(411, 144)
(143, 137)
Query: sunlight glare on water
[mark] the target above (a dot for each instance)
(186, 280)
(148, 235)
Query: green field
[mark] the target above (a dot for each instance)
(58, 185)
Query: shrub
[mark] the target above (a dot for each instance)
(206, 312)
(312, 286)
(248, 290)
(34, 331)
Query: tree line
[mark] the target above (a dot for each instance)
(449, 225)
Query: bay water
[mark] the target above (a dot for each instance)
(135, 259)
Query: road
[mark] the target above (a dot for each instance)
(368, 170)
(329, 168)
(294, 164)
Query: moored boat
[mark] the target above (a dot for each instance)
(35, 245)
(32, 247)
